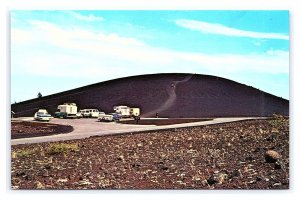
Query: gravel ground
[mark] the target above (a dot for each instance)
(221, 156)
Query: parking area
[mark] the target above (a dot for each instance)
(84, 127)
(88, 127)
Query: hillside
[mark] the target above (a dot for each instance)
(171, 95)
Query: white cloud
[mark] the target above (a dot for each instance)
(55, 51)
(220, 29)
(89, 18)
(21, 36)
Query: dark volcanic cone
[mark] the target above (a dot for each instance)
(171, 95)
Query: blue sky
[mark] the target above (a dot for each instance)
(54, 51)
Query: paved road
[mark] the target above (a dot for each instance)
(84, 128)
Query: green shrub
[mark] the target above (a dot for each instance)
(278, 121)
(22, 153)
(62, 148)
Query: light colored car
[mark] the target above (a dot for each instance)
(101, 114)
(109, 117)
(90, 113)
(42, 115)
(79, 115)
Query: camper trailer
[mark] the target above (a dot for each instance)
(124, 111)
(67, 110)
(134, 112)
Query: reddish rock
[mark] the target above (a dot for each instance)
(271, 156)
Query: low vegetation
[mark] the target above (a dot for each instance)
(61, 148)
(23, 153)
(279, 122)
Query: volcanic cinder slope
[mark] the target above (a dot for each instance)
(169, 95)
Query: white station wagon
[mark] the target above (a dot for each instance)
(90, 113)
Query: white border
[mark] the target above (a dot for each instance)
(6, 5)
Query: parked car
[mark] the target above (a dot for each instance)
(42, 115)
(101, 114)
(116, 116)
(90, 112)
(109, 117)
(79, 115)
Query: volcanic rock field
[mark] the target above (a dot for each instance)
(250, 154)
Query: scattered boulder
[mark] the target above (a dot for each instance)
(84, 183)
(48, 166)
(259, 178)
(120, 158)
(163, 167)
(39, 185)
(275, 130)
(271, 156)
(237, 173)
(279, 165)
(204, 183)
(277, 184)
(20, 173)
(136, 166)
(271, 137)
(43, 173)
(249, 158)
(218, 178)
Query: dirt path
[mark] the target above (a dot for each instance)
(172, 97)
(84, 128)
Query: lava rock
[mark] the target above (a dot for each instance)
(48, 166)
(163, 167)
(135, 166)
(271, 137)
(45, 173)
(249, 158)
(279, 165)
(271, 156)
(259, 178)
(20, 173)
(39, 185)
(237, 173)
(216, 179)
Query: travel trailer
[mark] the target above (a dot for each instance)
(135, 112)
(67, 110)
(124, 111)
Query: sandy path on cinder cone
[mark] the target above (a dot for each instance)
(172, 97)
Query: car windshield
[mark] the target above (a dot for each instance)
(43, 115)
